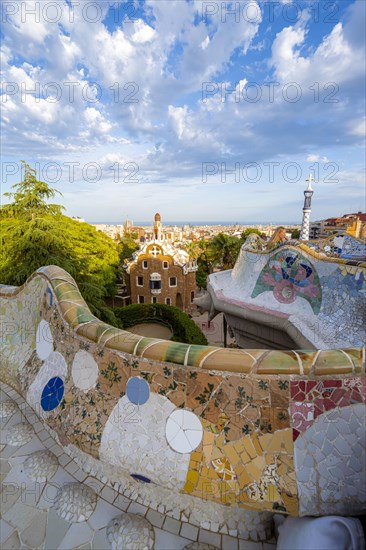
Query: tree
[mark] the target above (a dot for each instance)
(295, 234)
(34, 233)
(245, 234)
(30, 196)
(225, 250)
(193, 249)
(126, 247)
(201, 277)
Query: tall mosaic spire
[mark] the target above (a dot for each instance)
(305, 226)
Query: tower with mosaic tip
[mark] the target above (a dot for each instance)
(305, 226)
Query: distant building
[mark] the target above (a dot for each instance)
(113, 231)
(314, 231)
(161, 273)
(353, 224)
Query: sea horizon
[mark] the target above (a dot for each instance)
(198, 223)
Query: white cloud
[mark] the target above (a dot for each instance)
(358, 127)
(162, 60)
(96, 121)
(143, 33)
(333, 61)
(317, 158)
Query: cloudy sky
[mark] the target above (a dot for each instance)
(203, 110)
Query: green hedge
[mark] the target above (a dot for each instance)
(183, 328)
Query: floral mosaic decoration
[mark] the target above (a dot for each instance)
(289, 275)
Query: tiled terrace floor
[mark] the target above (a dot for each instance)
(28, 517)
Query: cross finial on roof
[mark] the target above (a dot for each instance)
(310, 179)
(155, 251)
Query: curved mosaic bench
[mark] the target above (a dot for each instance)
(313, 292)
(258, 430)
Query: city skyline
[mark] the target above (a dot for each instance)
(200, 110)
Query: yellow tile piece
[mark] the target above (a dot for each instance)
(281, 468)
(195, 465)
(216, 453)
(220, 440)
(259, 462)
(249, 447)
(188, 487)
(204, 472)
(253, 471)
(212, 474)
(257, 446)
(291, 503)
(192, 476)
(196, 455)
(231, 454)
(238, 446)
(265, 440)
(207, 452)
(271, 458)
(230, 498)
(287, 440)
(245, 458)
(243, 478)
(244, 497)
(272, 494)
(287, 460)
(208, 438)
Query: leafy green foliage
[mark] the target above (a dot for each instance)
(30, 195)
(225, 249)
(245, 234)
(34, 233)
(183, 328)
(201, 277)
(126, 247)
(295, 234)
(221, 252)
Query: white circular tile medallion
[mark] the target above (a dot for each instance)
(44, 340)
(84, 370)
(183, 431)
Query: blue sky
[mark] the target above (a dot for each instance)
(203, 110)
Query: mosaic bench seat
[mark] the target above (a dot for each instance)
(257, 430)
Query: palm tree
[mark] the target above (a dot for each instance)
(225, 250)
(193, 249)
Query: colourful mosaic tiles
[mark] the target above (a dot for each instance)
(290, 274)
(220, 425)
(52, 394)
(312, 398)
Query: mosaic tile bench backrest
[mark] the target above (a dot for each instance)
(261, 430)
(317, 295)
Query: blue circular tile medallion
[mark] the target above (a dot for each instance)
(52, 394)
(137, 390)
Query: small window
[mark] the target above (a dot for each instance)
(172, 281)
(192, 296)
(140, 281)
(168, 301)
(144, 264)
(155, 281)
(165, 265)
(141, 299)
(154, 299)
